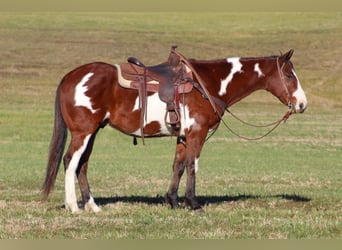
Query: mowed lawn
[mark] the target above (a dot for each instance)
(287, 185)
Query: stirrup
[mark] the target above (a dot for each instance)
(174, 117)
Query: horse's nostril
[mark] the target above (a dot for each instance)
(302, 107)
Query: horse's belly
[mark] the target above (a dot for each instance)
(154, 120)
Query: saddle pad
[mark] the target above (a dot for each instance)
(127, 83)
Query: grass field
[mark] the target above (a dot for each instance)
(285, 186)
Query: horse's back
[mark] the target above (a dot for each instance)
(98, 69)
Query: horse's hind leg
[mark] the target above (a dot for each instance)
(88, 200)
(77, 147)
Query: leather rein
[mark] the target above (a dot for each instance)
(213, 100)
(274, 124)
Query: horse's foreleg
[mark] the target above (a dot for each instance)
(190, 193)
(195, 141)
(72, 158)
(178, 170)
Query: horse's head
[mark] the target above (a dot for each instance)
(286, 86)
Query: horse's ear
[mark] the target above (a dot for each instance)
(287, 56)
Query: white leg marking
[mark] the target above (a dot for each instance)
(196, 164)
(91, 206)
(236, 68)
(258, 70)
(300, 95)
(70, 173)
(80, 97)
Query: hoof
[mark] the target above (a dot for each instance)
(173, 202)
(91, 206)
(198, 210)
(77, 211)
(193, 204)
(72, 207)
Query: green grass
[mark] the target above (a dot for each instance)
(285, 186)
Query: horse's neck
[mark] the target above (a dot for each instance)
(233, 79)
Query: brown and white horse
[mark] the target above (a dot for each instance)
(89, 97)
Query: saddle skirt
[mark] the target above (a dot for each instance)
(131, 76)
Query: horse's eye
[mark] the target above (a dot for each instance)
(289, 75)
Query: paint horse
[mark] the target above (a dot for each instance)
(90, 97)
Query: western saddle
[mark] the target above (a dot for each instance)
(169, 79)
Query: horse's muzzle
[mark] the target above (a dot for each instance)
(302, 107)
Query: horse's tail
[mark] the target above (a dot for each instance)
(57, 146)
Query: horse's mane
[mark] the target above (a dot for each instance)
(213, 61)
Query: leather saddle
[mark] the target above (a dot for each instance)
(169, 79)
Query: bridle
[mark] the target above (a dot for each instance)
(282, 79)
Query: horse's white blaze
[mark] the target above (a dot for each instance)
(299, 95)
(70, 173)
(258, 70)
(236, 68)
(80, 97)
(156, 112)
(196, 164)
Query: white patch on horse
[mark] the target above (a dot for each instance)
(236, 68)
(187, 122)
(136, 104)
(80, 97)
(156, 112)
(258, 70)
(106, 116)
(299, 95)
(70, 173)
(196, 164)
